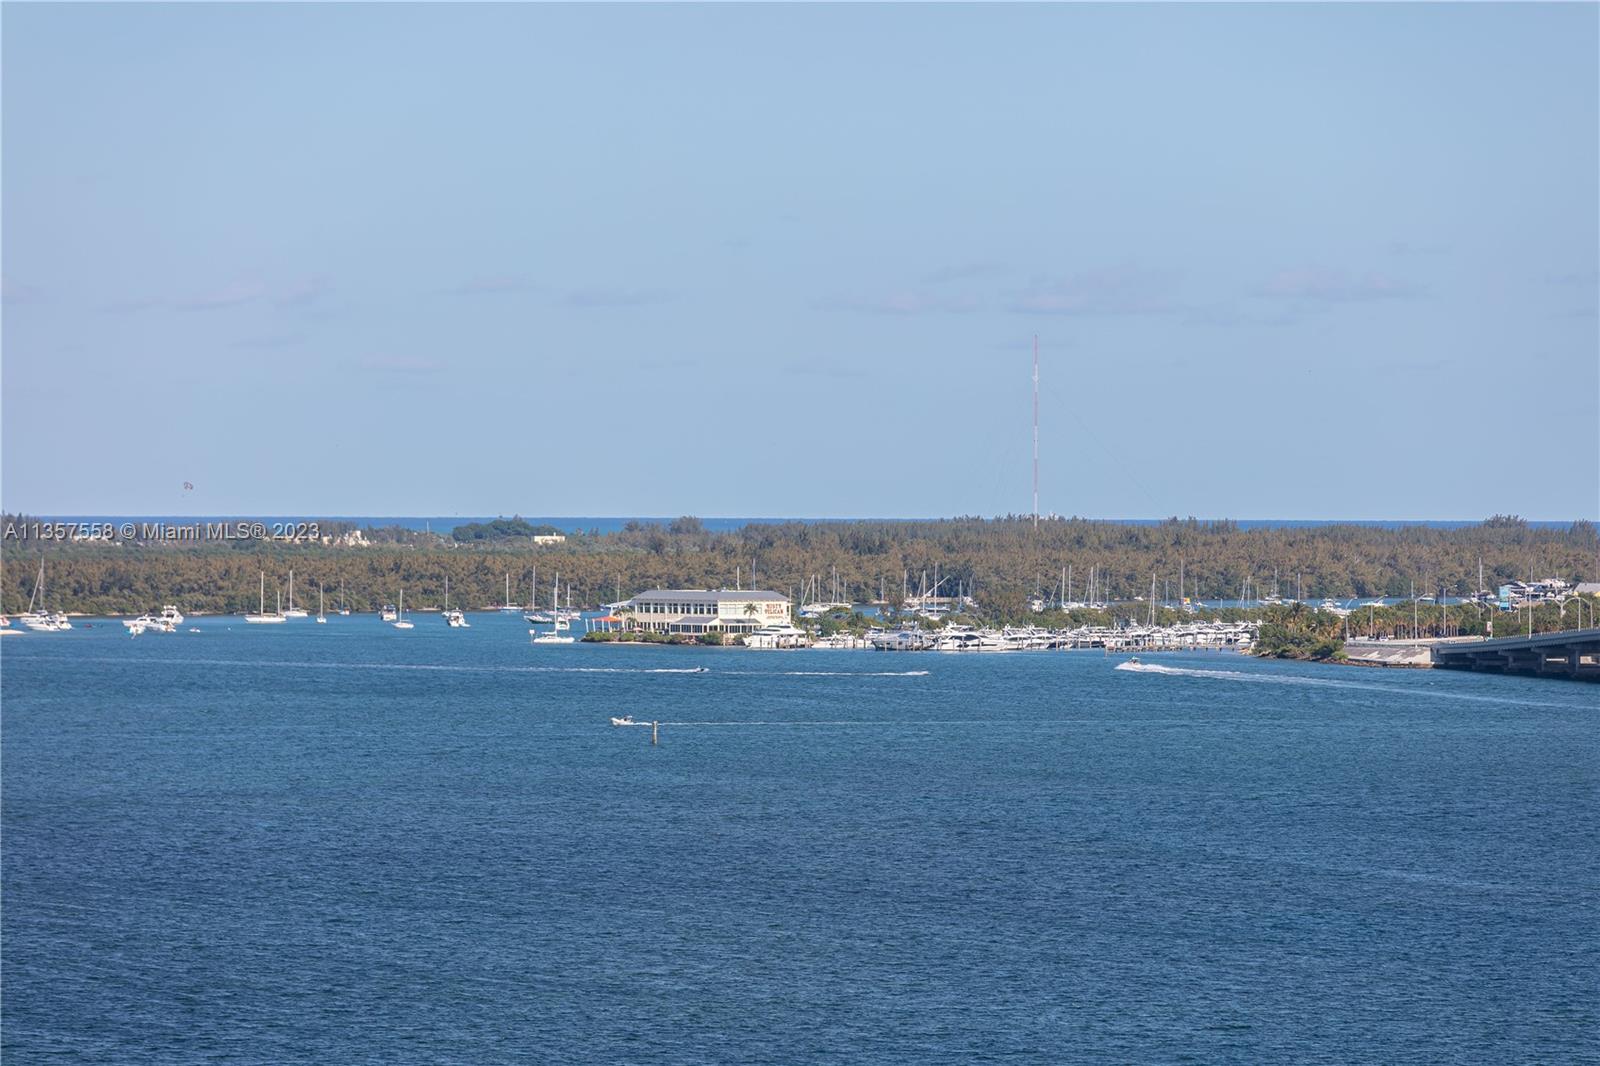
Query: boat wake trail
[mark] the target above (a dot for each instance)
(827, 673)
(1314, 682)
(899, 724)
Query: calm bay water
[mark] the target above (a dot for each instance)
(351, 844)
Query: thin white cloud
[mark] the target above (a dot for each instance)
(494, 283)
(240, 292)
(399, 364)
(963, 272)
(1116, 291)
(274, 340)
(1319, 286)
(905, 302)
(609, 296)
(303, 293)
(15, 293)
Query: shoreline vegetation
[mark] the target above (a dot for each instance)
(1000, 563)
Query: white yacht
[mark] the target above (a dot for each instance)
(322, 619)
(343, 610)
(965, 638)
(454, 619)
(171, 615)
(261, 617)
(386, 613)
(146, 622)
(775, 636)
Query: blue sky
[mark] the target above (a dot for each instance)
(775, 260)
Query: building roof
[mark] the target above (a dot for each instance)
(710, 595)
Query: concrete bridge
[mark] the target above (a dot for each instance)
(1574, 654)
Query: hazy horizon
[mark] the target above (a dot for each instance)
(728, 521)
(1282, 260)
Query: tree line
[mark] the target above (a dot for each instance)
(1000, 562)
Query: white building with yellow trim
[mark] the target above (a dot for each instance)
(699, 611)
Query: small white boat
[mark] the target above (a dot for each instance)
(626, 719)
(386, 613)
(454, 619)
(322, 619)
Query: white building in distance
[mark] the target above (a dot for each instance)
(699, 611)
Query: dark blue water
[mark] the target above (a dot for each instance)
(350, 844)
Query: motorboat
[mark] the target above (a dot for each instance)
(147, 622)
(453, 618)
(775, 636)
(387, 613)
(626, 719)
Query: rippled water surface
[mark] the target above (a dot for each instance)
(352, 844)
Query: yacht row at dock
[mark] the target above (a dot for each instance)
(964, 638)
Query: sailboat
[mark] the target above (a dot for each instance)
(261, 617)
(343, 610)
(400, 614)
(38, 619)
(506, 606)
(533, 614)
(322, 619)
(454, 619)
(556, 634)
(293, 611)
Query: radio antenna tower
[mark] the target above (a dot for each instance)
(1035, 431)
